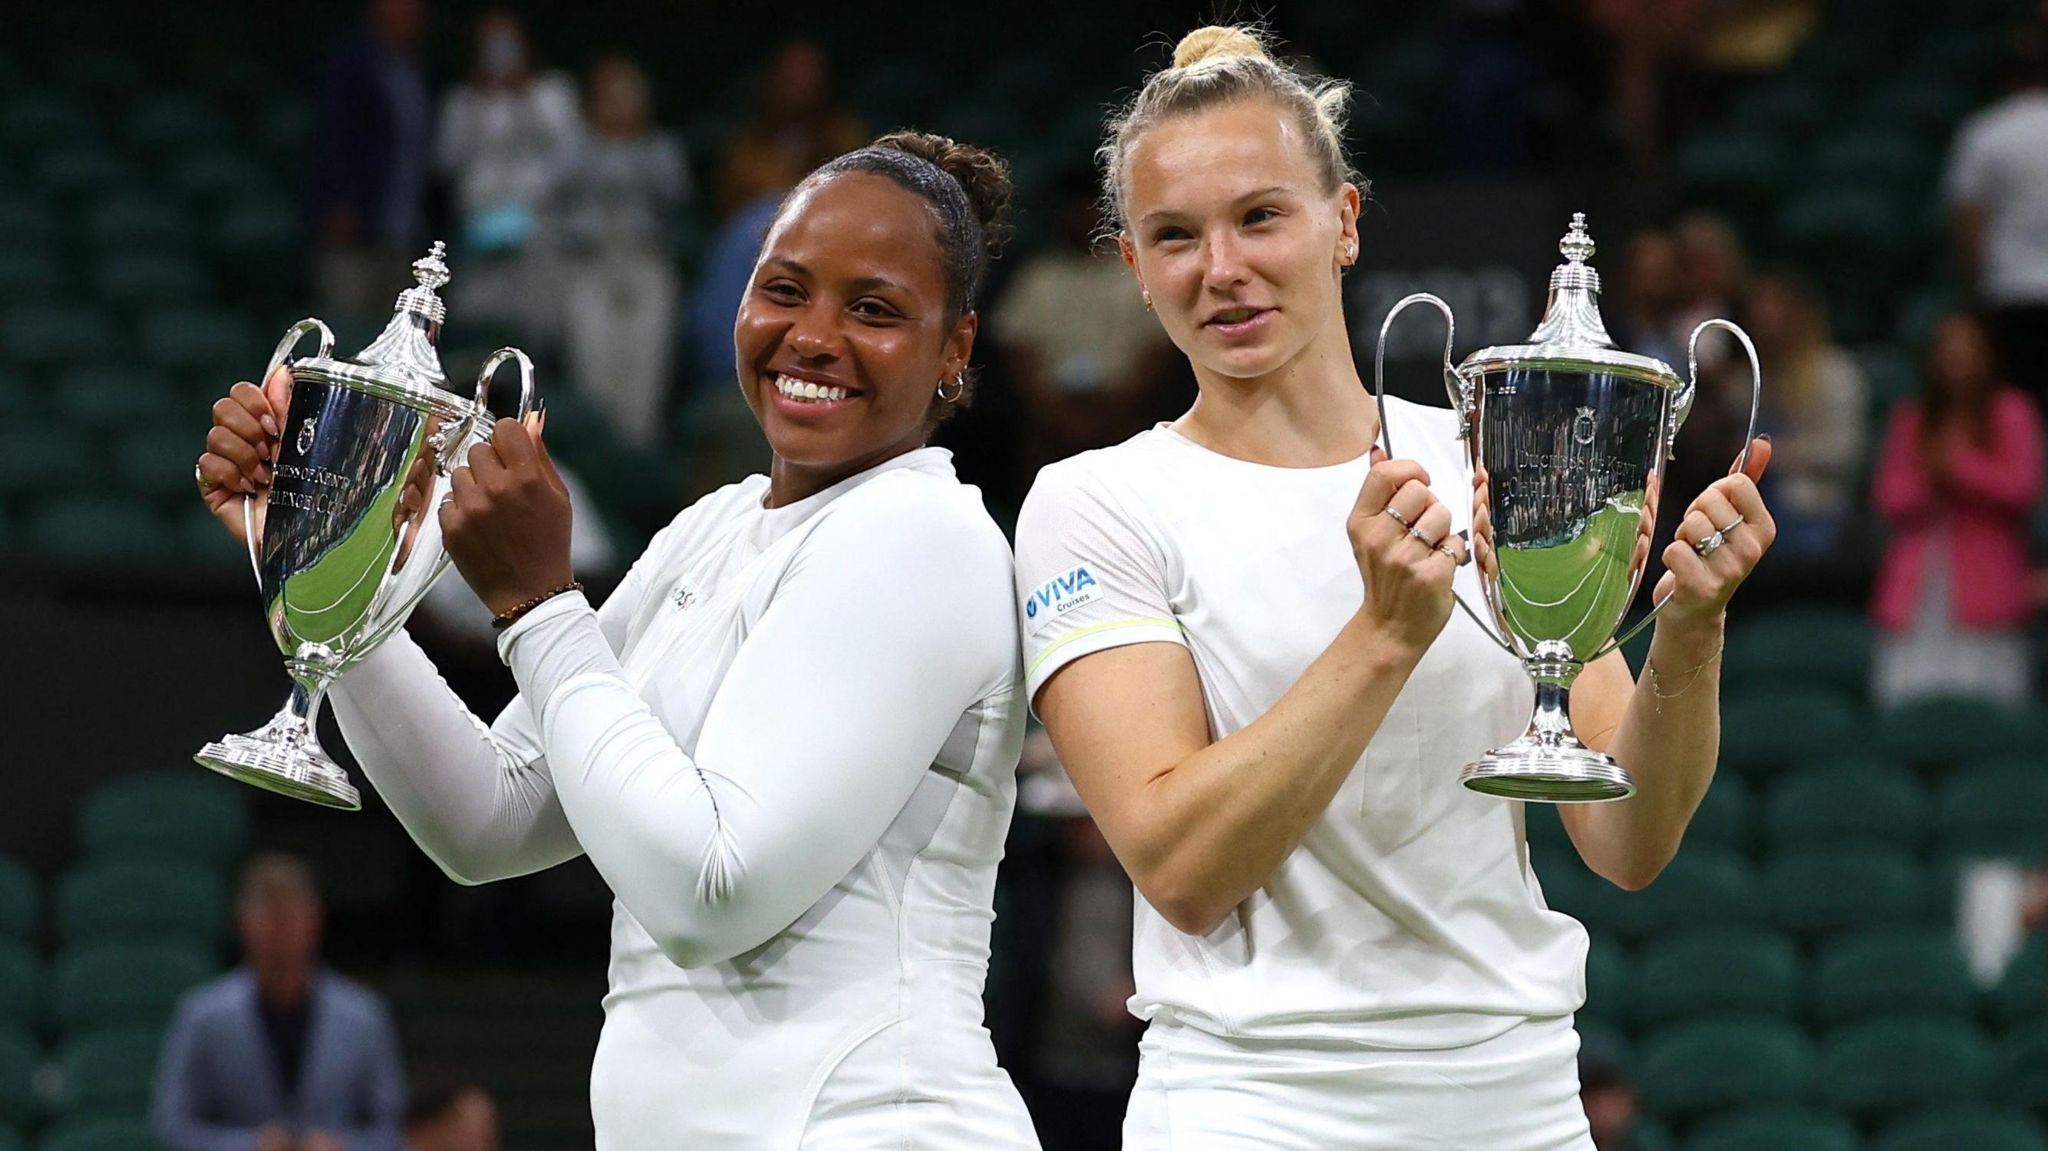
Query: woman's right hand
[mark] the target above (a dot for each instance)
(1400, 533)
(240, 446)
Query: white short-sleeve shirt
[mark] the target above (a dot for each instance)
(1408, 917)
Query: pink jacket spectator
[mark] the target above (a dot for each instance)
(1986, 506)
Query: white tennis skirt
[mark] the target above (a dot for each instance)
(1201, 1092)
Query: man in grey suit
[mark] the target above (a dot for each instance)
(280, 1054)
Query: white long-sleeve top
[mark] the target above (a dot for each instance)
(788, 741)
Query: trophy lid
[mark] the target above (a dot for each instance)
(404, 352)
(1571, 334)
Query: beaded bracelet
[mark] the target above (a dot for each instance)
(510, 615)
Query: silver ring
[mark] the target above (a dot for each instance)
(1394, 514)
(1737, 522)
(1453, 555)
(1417, 533)
(1711, 544)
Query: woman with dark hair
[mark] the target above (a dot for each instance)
(1956, 483)
(788, 740)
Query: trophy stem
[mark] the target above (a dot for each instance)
(285, 755)
(1548, 764)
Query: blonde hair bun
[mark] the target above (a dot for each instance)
(1216, 42)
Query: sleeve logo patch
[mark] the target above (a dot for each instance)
(1062, 594)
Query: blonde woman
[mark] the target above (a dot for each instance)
(1238, 632)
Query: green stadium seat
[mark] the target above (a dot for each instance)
(108, 985)
(1892, 971)
(1925, 105)
(2025, 1066)
(26, 220)
(1825, 890)
(1716, 971)
(137, 223)
(38, 335)
(155, 463)
(1781, 1128)
(20, 1105)
(211, 176)
(1891, 1065)
(129, 900)
(77, 170)
(150, 277)
(284, 127)
(1847, 803)
(100, 1134)
(10, 1139)
(1739, 170)
(1704, 886)
(1977, 1127)
(20, 902)
(169, 812)
(1766, 733)
(1939, 734)
(38, 459)
(201, 540)
(169, 124)
(1610, 984)
(31, 118)
(1802, 648)
(97, 528)
(1714, 1064)
(111, 396)
(258, 226)
(1887, 160)
(21, 985)
(1892, 375)
(1789, 108)
(1958, 52)
(28, 272)
(108, 1073)
(1994, 811)
(2022, 992)
(1726, 815)
(199, 339)
(1544, 830)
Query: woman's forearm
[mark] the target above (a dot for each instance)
(1226, 817)
(1668, 740)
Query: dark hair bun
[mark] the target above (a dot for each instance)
(980, 172)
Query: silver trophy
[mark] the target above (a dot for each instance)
(346, 540)
(1572, 435)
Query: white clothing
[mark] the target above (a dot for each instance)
(507, 148)
(1408, 918)
(1515, 1092)
(788, 743)
(2000, 164)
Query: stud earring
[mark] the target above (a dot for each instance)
(1148, 299)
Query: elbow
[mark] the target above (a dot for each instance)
(1189, 908)
(693, 947)
(1636, 874)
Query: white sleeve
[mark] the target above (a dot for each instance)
(891, 621)
(1088, 577)
(477, 800)
(1969, 176)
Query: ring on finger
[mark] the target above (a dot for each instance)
(1417, 532)
(1394, 514)
(1711, 544)
(1737, 522)
(206, 486)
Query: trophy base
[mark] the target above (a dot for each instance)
(283, 767)
(1539, 773)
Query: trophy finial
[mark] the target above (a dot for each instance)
(1577, 246)
(430, 270)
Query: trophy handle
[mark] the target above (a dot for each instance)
(1460, 390)
(282, 355)
(1681, 408)
(490, 368)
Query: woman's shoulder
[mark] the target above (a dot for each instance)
(1099, 470)
(912, 510)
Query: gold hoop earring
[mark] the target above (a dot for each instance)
(959, 389)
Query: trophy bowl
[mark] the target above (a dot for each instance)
(1569, 437)
(345, 540)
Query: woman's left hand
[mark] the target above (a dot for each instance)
(506, 521)
(1733, 510)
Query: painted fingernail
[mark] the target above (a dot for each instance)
(269, 424)
(1765, 437)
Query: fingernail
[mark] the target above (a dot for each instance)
(269, 424)
(1765, 437)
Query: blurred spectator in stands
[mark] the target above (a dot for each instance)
(1715, 265)
(1957, 480)
(1082, 1056)
(371, 152)
(1998, 192)
(446, 1113)
(280, 1054)
(505, 139)
(1653, 287)
(1086, 357)
(1653, 46)
(795, 127)
(1813, 411)
(616, 204)
(1610, 1101)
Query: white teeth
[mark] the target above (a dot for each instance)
(805, 390)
